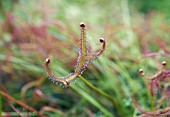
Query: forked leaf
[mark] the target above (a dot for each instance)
(154, 75)
(83, 60)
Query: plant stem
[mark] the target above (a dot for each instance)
(21, 103)
(100, 92)
(0, 105)
(29, 85)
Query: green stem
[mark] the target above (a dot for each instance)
(100, 92)
(0, 105)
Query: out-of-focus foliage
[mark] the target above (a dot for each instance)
(32, 30)
(162, 6)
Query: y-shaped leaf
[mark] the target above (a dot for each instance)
(154, 75)
(83, 60)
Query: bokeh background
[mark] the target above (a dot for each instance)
(32, 30)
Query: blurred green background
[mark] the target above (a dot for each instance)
(32, 30)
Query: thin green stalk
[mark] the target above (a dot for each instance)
(100, 92)
(79, 89)
(0, 105)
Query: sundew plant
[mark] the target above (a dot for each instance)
(84, 58)
(158, 87)
(55, 65)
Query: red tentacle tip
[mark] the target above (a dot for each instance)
(47, 60)
(82, 24)
(164, 63)
(141, 71)
(101, 40)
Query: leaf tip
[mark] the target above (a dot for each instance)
(47, 60)
(82, 24)
(101, 40)
(141, 72)
(164, 63)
